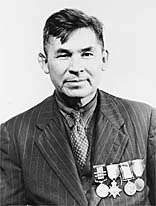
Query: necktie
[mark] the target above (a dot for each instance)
(79, 140)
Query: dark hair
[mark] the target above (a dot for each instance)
(62, 23)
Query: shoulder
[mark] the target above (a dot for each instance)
(128, 107)
(127, 102)
(30, 115)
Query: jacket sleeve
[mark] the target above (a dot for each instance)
(11, 183)
(151, 161)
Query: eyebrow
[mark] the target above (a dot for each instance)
(86, 49)
(61, 50)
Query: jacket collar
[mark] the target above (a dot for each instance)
(107, 106)
(47, 112)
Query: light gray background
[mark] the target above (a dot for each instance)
(130, 27)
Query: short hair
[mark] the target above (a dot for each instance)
(62, 23)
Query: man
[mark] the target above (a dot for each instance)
(81, 146)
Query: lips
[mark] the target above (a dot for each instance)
(74, 80)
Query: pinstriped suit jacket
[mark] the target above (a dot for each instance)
(37, 166)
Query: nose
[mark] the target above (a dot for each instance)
(75, 66)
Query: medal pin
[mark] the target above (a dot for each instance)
(100, 174)
(113, 174)
(127, 175)
(138, 167)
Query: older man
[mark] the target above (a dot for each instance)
(80, 146)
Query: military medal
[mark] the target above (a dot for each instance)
(127, 175)
(138, 167)
(100, 174)
(114, 190)
(130, 188)
(113, 174)
(139, 184)
(102, 190)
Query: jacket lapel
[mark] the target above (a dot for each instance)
(111, 139)
(56, 150)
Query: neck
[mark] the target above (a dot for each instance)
(87, 99)
(75, 102)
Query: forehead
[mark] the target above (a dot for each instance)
(78, 39)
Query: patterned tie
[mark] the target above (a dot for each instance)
(79, 140)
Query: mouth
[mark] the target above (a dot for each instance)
(75, 83)
(74, 80)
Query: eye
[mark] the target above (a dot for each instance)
(87, 54)
(63, 56)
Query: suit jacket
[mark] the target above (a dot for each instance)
(38, 167)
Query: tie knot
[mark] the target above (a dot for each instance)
(76, 115)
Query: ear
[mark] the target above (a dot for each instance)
(42, 60)
(105, 59)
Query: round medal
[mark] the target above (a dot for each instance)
(139, 184)
(130, 188)
(102, 190)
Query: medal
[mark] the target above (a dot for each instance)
(127, 175)
(114, 190)
(102, 190)
(138, 167)
(130, 188)
(139, 184)
(100, 174)
(113, 173)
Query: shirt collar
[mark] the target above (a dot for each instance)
(86, 111)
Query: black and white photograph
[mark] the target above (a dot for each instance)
(77, 103)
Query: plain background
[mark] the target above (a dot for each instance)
(130, 28)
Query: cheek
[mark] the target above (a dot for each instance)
(55, 74)
(96, 74)
(56, 70)
(95, 69)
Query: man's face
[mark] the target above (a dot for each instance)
(75, 66)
